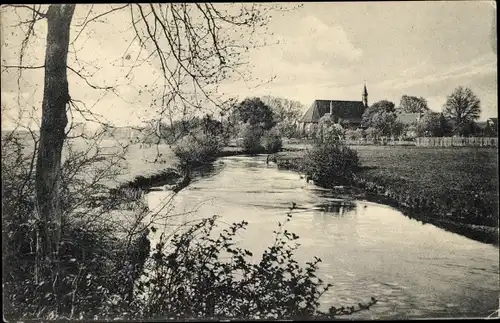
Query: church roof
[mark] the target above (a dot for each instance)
(347, 110)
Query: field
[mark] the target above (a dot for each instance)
(436, 171)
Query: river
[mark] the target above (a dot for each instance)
(415, 270)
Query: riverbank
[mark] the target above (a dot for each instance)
(143, 177)
(456, 194)
(431, 190)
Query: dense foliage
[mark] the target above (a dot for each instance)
(220, 280)
(462, 108)
(254, 112)
(380, 119)
(172, 132)
(330, 163)
(328, 131)
(195, 150)
(251, 136)
(287, 114)
(351, 134)
(93, 263)
(413, 104)
(271, 141)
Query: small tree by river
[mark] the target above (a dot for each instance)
(330, 162)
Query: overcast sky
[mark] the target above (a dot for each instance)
(326, 51)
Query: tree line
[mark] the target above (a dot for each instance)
(458, 117)
(255, 115)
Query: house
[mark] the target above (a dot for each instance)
(347, 113)
(493, 123)
(487, 128)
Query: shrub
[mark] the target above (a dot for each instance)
(252, 136)
(196, 150)
(89, 267)
(272, 142)
(329, 131)
(329, 162)
(197, 276)
(354, 134)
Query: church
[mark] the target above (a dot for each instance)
(347, 113)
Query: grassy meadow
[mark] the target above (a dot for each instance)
(436, 171)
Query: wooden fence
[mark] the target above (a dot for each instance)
(419, 142)
(456, 142)
(379, 142)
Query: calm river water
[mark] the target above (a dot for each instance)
(367, 249)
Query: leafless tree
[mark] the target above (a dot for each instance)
(193, 44)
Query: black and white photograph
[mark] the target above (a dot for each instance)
(229, 161)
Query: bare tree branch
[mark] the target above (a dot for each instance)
(87, 21)
(23, 67)
(33, 9)
(87, 81)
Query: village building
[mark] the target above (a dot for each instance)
(493, 123)
(346, 113)
(488, 127)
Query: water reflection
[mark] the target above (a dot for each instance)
(338, 207)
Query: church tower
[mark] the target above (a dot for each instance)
(365, 97)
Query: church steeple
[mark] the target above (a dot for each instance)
(365, 96)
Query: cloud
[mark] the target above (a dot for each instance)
(317, 41)
(422, 76)
(312, 59)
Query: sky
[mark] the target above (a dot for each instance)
(318, 51)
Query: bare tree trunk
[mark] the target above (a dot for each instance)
(54, 121)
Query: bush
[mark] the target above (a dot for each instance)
(354, 135)
(272, 142)
(329, 163)
(251, 142)
(90, 265)
(196, 150)
(329, 131)
(197, 276)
